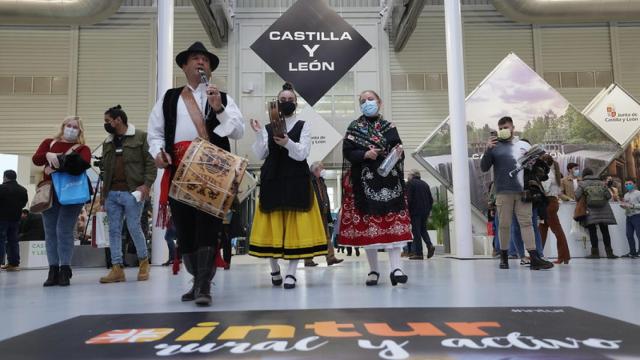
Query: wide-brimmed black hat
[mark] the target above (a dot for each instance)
(197, 47)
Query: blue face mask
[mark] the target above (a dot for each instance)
(629, 187)
(369, 108)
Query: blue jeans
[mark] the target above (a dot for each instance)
(170, 237)
(9, 241)
(516, 246)
(121, 205)
(59, 222)
(633, 228)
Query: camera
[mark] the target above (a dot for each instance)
(98, 162)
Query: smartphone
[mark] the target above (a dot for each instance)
(493, 133)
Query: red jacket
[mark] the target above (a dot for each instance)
(40, 157)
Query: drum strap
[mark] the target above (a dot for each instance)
(194, 112)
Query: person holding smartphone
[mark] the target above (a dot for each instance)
(502, 154)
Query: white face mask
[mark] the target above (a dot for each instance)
(323, 173)
(70, 134)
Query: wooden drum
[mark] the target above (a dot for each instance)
(208, 178)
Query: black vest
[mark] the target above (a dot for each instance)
(285, 184)
(170, 110)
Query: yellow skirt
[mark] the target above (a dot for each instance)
(288, 234)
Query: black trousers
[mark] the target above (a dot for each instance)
(226, 244)
(419, 230)
(194, 228)
(593, 235)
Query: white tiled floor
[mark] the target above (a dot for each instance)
(607, 287)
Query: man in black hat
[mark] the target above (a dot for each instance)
(175, 121)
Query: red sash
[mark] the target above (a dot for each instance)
(179, 149)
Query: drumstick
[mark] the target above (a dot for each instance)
(164, 156)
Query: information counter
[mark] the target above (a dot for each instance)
(580, 247)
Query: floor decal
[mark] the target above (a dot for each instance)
(384, 333)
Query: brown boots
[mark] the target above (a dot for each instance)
(143, 270)
(117, 273)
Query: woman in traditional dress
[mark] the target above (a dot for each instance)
(287, 223)
(374, 207)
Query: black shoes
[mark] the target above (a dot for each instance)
(276, 278)
(504, 259)
(595, 254)
(289, 285)
(398, 279)
(431, 251)
(370, 280)
(538, 263)
(52, 279)
(64, 274)
(610, 254)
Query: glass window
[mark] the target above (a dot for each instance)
(344, 86)
(324, 107)
(273, 84)
(344, 105)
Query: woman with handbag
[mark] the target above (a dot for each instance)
(67, 155)
(599, 213)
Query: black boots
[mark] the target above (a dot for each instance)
(52, 279)
(64, 274)
(206, 270)
(538, 263)
(202, 265)
(504, 259)
(190, 262)
(595, 254)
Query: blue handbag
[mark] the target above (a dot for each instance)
(71, 189)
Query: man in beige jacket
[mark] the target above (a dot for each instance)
(569, 183)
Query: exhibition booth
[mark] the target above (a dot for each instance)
(603, 137)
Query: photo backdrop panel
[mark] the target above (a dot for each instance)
(540, 114)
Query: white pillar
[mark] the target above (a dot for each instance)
(160, 252)
(460, 158)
